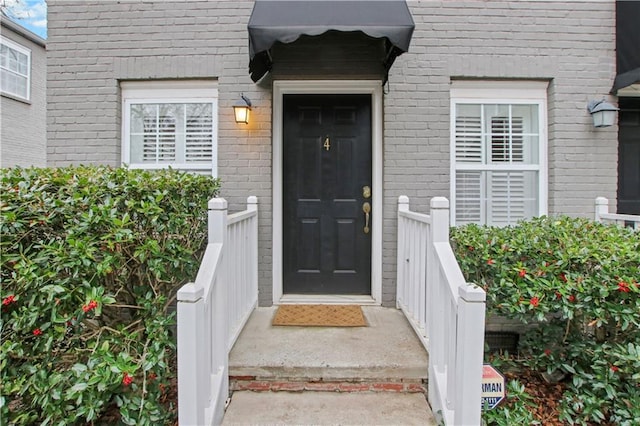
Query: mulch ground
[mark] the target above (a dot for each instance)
(546, 396)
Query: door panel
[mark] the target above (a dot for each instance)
(629, 156)
(327, 162)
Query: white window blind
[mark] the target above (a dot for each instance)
(15, 69)
(468, 139)
(199, 131)
(496, 168)
(171, 132)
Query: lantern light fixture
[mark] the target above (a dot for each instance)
(602, 112)
(241, 109)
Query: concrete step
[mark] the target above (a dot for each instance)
(385, 356)
(327, 408)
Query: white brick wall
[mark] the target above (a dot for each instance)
(94, 44)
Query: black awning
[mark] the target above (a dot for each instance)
(285, 21)
(627, 44)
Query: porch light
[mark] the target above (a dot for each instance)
(603, 113)
(241, 109)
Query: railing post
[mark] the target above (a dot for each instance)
(469, 355)
(602, 207)
(220, 325)
(403, 206)
(439, 220)
(217, 224)
(252, 205)
(435, 293)
(191, 382)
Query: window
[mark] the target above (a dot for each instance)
(15, 67)
(498, 134)
(170, 124)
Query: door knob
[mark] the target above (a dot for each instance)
(366, 208)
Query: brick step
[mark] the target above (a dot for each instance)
(253, 383)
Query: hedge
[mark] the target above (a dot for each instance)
(577, 281)
(91, 258)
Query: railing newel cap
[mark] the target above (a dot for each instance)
(472, 293)
(190, 293)
(217, 204)
(439, 203)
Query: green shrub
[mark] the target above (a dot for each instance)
(90, 263)
(577, 282)
(517, 409)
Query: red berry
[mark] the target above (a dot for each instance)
(126, 379)
(623, 287)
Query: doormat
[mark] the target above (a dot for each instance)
(320, 316)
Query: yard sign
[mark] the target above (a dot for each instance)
(493, 391)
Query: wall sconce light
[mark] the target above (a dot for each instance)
(603, 113)
(241, 109)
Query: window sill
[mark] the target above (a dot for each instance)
(15, 98)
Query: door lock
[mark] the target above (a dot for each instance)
(366, 191)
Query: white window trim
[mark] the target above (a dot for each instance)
(15, 46)
(501, 92)
(164, 91)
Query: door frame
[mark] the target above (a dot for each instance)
(311, 87)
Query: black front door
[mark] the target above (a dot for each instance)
(326, 190)
(629, 156)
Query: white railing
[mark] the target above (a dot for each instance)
(446, 312)
(603, 215)
(213, 310)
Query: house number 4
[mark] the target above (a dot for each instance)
(327, 144)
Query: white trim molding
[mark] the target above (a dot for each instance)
(509, 93)
(18, 48)
(170, 92)
(373, 88)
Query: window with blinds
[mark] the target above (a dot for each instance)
(171, 134)
(15, 69)
(170, 124)
(496, 163)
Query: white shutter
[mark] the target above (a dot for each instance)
(517, 140)
(159, 143)
(506, 203)
(199, 139)
(468, 143)
(506, 190)
(468, 139)
(507, 142)
(468, 197)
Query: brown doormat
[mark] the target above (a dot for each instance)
(320, 316)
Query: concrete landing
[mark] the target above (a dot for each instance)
(328, 408)
(386, 350)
